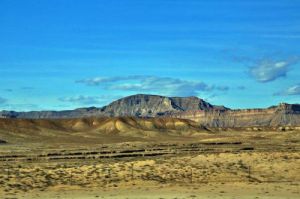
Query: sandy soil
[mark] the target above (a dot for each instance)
(222, 175)
(155, 191)
(258, 165)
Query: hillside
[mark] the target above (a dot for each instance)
(192, 108)
(96, 130)
(284, 115)
(154, 105)
(136, 105)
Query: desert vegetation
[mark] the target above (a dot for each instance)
(104, 158)
(222, 158)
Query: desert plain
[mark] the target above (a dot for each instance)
(82, 159)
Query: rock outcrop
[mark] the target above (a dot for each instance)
(154, 105)
(136, 105)
(191, 108)
(281, 115)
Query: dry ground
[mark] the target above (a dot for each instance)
(230, 164)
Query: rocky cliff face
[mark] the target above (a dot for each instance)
(135, 105)
(281, 115)
(191, 108)
(154, 105)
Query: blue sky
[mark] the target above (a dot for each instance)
(64, 54)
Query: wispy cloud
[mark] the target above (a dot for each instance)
(153, 84)
(27, 88)
(282, 36)
(3, 100)
(266, 67)
(268, 70)
(103, 80)
(88, 100)
(18, 106)
(241, 87)
(85, 100)
(293, 90)
(8, 90)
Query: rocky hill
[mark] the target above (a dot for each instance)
(275, 116)
(136, 105)
(191, 108)
(154, 105)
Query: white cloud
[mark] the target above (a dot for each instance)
(293, 90)
(153, 84)
(266, 70)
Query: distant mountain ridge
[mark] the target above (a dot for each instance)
(192, 108)
(139, 105)
(154, 105)
(284, 115)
